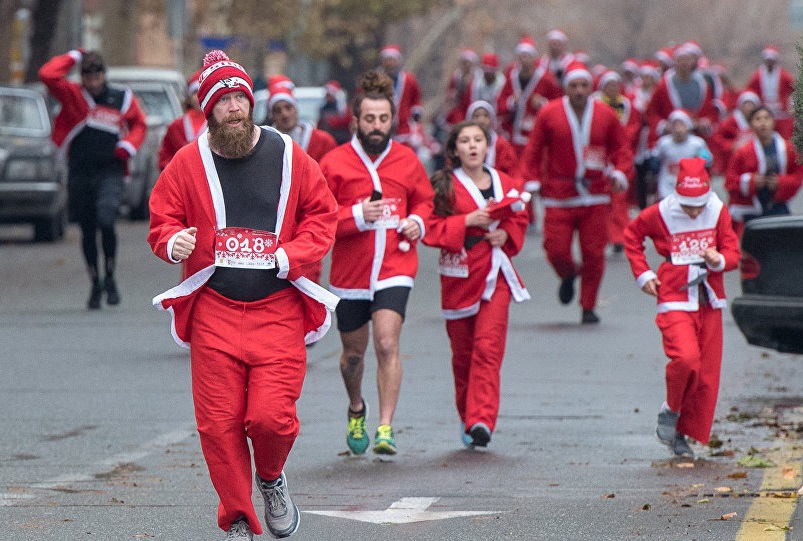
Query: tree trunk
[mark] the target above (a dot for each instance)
(43, 28)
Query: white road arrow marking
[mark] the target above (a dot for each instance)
(404, 511)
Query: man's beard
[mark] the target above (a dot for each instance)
(371, 146)
(231, 142)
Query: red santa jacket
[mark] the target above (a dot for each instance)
(315, 142)
(407, 97)
(749, 160)
(79, 110)
(666, 99)
(468, 276)
(672, 231)
(188, 193)
(502, 157)
(731, 133)
(182, 131)
(366, 257)
(570, 156)
(516, 109)
(774, 88)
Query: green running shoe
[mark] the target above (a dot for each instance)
(356, 437)
(384, 442)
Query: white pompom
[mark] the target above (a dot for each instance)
(404, 246)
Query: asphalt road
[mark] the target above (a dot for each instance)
(97, 439)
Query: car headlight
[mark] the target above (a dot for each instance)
(26, 169)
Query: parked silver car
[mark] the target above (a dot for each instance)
(33, 187)
(160, 95)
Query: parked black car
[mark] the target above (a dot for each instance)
(33, 185)
(770, 311)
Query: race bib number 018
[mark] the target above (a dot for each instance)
(688, 247)
(390, 218)
(241, 248)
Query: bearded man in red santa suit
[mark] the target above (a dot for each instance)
(247, 211)
(579, 153)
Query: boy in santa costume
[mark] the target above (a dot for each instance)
(247, 212)
(691, 229)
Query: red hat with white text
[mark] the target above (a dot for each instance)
(693, 187)
(221, 76)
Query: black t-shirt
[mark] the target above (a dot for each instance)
(93, 147)
(251, 188)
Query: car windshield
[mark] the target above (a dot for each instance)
(22, 115)
(155, 103)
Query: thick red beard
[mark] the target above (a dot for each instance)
(231, 142)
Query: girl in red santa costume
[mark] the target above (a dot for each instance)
(477, 238)
(691, 229)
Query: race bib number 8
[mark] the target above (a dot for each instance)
(242, 248)
(390, 218)
(688, 247)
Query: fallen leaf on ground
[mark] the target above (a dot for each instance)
(737, 475)
(727, 516)
(756, 461)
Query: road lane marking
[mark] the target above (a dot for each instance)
(403, 511)
(768, 518)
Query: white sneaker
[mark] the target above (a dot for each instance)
(281, 514)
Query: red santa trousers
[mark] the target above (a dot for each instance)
(619, 217)
(478, 347)
(591, 223)
(693, 343)
(248, 365)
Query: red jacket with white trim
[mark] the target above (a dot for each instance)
(664, 222)
(188, 194)
(747, 162)
(364, 259)
(79, 110)
(571, 156)
(469, 275)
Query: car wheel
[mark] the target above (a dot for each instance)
(50, 229)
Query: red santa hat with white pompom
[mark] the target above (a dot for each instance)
(219, 77)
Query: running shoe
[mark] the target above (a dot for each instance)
(93, 303)
(464, 437)
(384, 442)
(357, 437)
(281, 514)
(240, 531)
(681, 447)
(480, 435)
(665, 431)
(112, 295)
(566, 290)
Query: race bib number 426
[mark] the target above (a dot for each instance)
(688, 247)
(243, 248)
